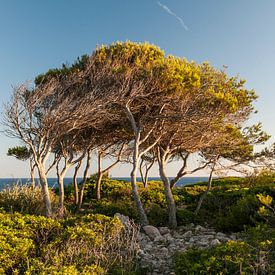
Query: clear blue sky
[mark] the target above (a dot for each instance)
(36, 35)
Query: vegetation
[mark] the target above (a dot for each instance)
(129, 102)
(90, 244)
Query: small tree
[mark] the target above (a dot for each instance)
(23, 153)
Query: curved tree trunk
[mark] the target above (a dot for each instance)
(45, 190)
(98, 185)
(76, 191)
(82, 188)
(32, 166)
(141, 212)
(61, 195)
(168, 195)
(99, 177)
(203, 196)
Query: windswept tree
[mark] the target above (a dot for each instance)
(40, 116)
(115, 153)
(24, 154)
(233, 149)
(166, 103)
(69, 151)
(206, 105)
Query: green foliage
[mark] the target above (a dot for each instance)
(19, 152)
(233, 257)
(90, 244)
(78, 65)
(157, 215)
(24, 199)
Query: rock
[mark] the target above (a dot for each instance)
(233, 237)
(187, 234)
(199, 228)
(215, 242)
(124, 219)
(220, 235)
(177, 235)
(159, 239)
(164, 230)
(151, 231)
(164, 250)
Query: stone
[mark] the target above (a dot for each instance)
(164, 250)
(164, 230)
(215, 242)
(159, 239)
(187, 234)
(151, 231)
(199, 228)
(124, 219)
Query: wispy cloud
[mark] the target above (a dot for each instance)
(173, 14)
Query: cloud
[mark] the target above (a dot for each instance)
(174, 14)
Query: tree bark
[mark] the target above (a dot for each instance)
(76, 191)
(61, 195)
(172, 217)
(99, 177)
(141, 212)
(45, 190)
(98, 185)
(82, 188)
(203, 196)
(32, 166)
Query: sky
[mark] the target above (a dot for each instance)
(37, 35)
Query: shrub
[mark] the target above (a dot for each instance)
(242, 213)
(157, 216)
(233, 257)
(24, 199)
(90, 244)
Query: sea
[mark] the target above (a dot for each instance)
(7, 182)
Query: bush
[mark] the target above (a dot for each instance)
(24, 199)
(90, 244)
(242, 213)
(233, 257)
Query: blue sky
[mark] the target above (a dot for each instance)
(38, 35)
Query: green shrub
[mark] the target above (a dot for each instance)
(157, 216)
(24, 199)
(233, 257)
(242, 213)
(109, 208)
(89, 244)
(185, 217)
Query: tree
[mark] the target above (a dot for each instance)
(23, 153)
(157, 99)
(111, 151)
(236, 147)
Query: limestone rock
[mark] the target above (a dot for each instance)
(215, 242)
(187, 234)
(164, 230)
(151, 231)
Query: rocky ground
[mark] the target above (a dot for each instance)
(158, 245)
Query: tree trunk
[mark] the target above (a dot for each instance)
(99, 177)
(168, 195)
(203, 196)
(76, 191)
(45, 190)
(32, 174)
(98, 185)
(82, 188)
(61, 195)
(141, 212)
